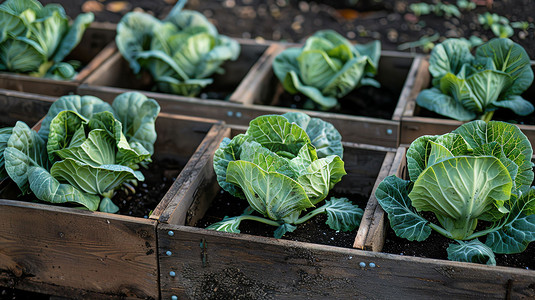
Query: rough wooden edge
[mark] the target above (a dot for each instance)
(176, 211)
(406, 91)
(187, 173)
(96, 62)
(248, 89)
(291, 269)
(366, 221)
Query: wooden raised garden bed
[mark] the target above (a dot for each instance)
(80, 254)
(417, 121)
(200, 263)
(96, 46)
(244, 105)
(375, 119)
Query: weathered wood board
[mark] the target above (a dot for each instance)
(96, 46)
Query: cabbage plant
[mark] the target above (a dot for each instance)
(327, 67)
(83, 151)
(466, 86)
(283, 165)
(476, 181)
(35, 39)
(181, 52)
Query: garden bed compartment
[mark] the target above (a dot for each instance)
(81, 254)
(414, 125)
(96, 46)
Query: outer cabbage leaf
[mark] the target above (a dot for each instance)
(433, 99)
(25, 149)
(73, 36)
(449, 57)
(285, 63)
(134, 33)
(510, 58)
(472, 251)
(187, 18)
(20, 56)
(392, 195)
(323, 135)
(517, 104)
(269, 193)
(293, 84)
(266, 160)
(474, 186)
(229, 150)
(64, 127)
(5, 133)
(137, 115)
(342, 214)
(49, 189)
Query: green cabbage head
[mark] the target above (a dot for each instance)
(84, 150)
(282, 166)
(327, 67)
(35, 39)
(466, 87)
(479, 173)
(181, 52)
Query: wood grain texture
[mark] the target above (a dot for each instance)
(48, 248)
(94, 48)
(216, 265)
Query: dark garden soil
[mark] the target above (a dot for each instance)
(159, 176)
(365, 101)
(392, 22)
(313, 231)
(435, 247)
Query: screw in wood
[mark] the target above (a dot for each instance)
(170, 233)
(169, 253)
(174, 297)
(372, 265)
(172, 274)
(362, 264)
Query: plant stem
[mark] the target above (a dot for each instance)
(260, 219)
(441, 230)
(311, 214)
(487, 116)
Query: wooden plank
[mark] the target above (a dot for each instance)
(245, 93)
(49, 248)
(365, 223)
(209, 264)
(165, 211)
(17, 106)
(93, 49)
(353, 128)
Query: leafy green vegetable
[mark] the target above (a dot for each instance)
(481, 172)
(327, 67)
(466, 87)
(82, 151)
(276, 167)
(35, 39)
(181, 52)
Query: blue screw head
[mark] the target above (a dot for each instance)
(230, 113)
(238, 114)
(174, 297)
(171, 233)
(172, 274)
(362, 264)
(389, 131)
(169, 253)
(372, 265)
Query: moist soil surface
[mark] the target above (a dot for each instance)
(392, 22)
(313, 231)
(435, 247)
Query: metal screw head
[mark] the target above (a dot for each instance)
(172, 274)
(389, 131)
(170, 233)
(230, 113)
(372, 265)
(169, 253)
(174, 297)
(238, 114)
(362, 264)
